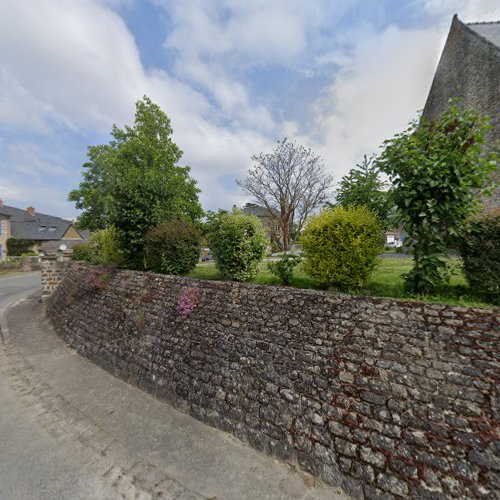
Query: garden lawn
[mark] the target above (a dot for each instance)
(386, 281)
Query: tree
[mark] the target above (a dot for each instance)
(135, 182)
(362, 186)
(289, 183)
(439, 172)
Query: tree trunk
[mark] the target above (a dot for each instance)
(285, 229)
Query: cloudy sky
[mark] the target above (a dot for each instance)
(233, 75)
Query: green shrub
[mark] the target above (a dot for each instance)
(480, 251)
(283, 268)
(16, 247)
(341, 246)
(84, 251)
(103, 248)
(238, 243)
(173, 247)
(107, 248)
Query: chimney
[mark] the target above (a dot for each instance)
(31, 211)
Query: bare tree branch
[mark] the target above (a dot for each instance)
(290, 183)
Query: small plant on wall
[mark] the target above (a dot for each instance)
(188, 302)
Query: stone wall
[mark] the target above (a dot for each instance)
(388, 398)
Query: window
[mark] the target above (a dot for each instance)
(42, 228)
(52, 228)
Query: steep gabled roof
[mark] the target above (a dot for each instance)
(34, 227)
(488, 30)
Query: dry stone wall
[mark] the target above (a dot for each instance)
(391, 399)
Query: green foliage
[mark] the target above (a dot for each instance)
(103, 248)
(341, 246)
(238, 243)
(362, 186)
(283, 268)
(84, 251)
(480, 250)
(438, 172)
(107, 247)
(173, 247)
(134, 182)
(16, 247)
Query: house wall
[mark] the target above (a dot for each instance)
(4, 235)
(469, 69)
(391, 399)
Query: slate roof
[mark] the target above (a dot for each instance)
(257, 210)
(34, 227)
(488, 30)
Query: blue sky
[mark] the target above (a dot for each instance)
(234, 76)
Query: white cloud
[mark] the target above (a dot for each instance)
(75, 64)
(80, 68)
(467, 10)
(375, 94)
(384, 82)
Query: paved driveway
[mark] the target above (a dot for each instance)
(69, 430)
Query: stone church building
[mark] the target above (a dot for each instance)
(469, 69)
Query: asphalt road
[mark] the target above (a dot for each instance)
(69, 430)
(16, 286)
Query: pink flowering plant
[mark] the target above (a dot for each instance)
(188, 302)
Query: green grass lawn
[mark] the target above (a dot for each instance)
(386, 281)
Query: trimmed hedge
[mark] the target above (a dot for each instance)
(341, 246)
(173, 247)
(480, 251)
(16, 247)
(238, 243)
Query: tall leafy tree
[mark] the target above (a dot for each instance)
(363, 186)
(439, 171)
(290, 183)
(135, 182)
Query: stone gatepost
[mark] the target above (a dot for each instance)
(53, 268)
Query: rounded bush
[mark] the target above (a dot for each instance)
(480, 251)
(173, 247)
(341, 246)
(238, 243)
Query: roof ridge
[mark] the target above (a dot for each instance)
(470, 28)
(483, 22)
(37, 213)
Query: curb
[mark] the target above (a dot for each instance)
(4, 329)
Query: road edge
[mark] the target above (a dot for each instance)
(4, 328)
